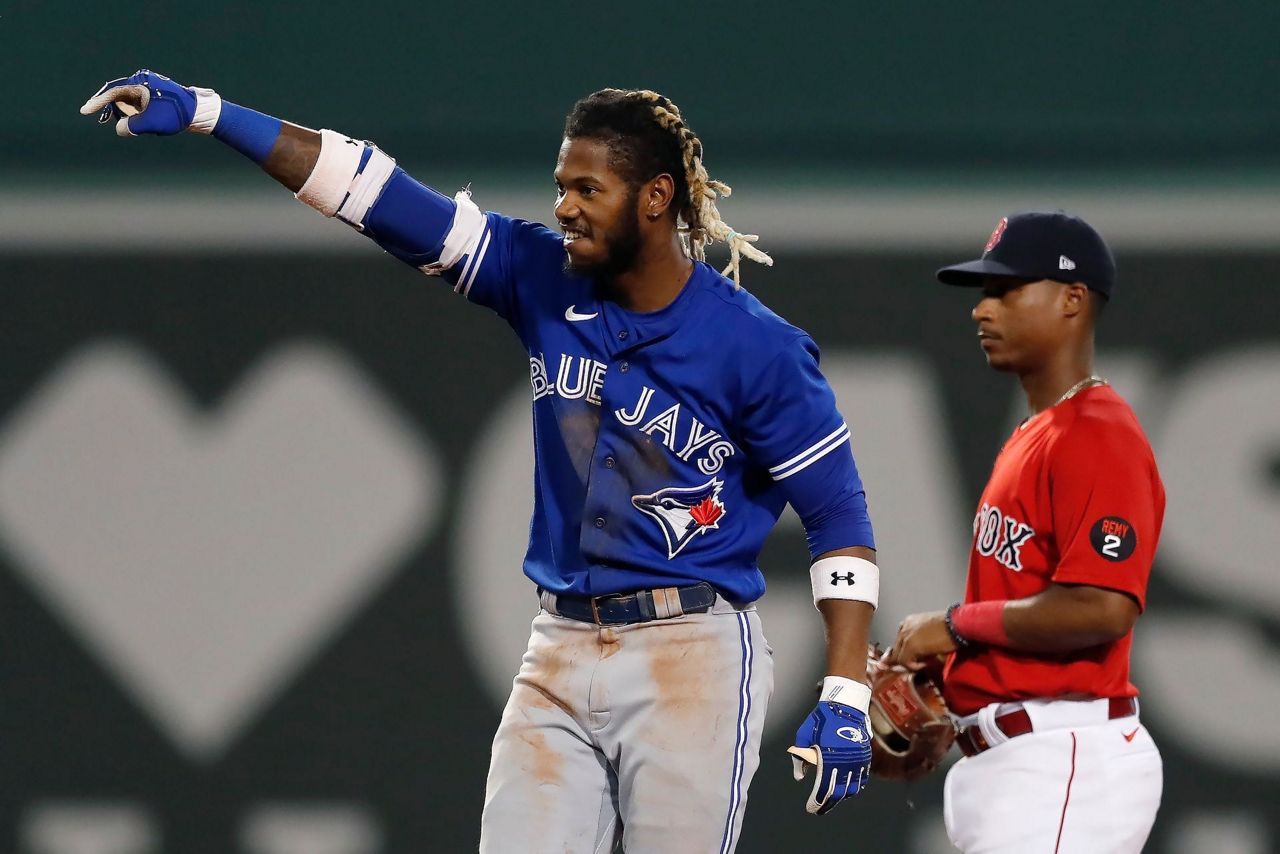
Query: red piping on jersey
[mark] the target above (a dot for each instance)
(1067, 800)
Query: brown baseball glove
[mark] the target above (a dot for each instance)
(910, 728)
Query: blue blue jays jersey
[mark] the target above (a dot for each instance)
(666, 443)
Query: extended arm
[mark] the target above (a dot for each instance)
(338, 176)
(147, 103)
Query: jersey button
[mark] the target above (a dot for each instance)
(599, 521)
(622, 336)
(608, 462)
(624, 367)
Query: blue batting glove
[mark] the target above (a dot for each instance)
(836, 741)
(143, 103)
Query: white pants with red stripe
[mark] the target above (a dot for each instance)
(1077, 784)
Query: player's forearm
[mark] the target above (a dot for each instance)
(293, 156)
(285, 151)
(848, 630)
(1060, 618)
(1063, 618)
(848, 626)
(338, 176)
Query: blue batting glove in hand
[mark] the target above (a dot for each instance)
(143, 103)
(836, 741)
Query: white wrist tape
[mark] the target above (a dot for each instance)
(845, 577)
(838, 689)
(336, 168)
(208, 110)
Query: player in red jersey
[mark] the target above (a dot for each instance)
(1037, 674)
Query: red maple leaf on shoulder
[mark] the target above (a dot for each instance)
(706, 512)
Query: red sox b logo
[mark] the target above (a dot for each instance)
(999, 534)
(996, 234)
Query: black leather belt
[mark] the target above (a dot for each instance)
(622, 609)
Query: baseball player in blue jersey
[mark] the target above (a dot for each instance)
(674, 417)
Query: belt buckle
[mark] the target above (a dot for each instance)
(595, 611)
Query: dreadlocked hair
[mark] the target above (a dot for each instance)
(647, 136)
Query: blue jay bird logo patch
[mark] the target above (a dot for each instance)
(683, 512)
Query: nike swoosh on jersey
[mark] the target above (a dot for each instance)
(570, 314)
(1128, 736)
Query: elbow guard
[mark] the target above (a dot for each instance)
(360, 185)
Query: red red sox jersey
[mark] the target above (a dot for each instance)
(1074, 498)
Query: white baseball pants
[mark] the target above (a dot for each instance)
(647, 734)
(1077, 784)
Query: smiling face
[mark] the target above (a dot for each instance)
(597, 210)
(1022, 323)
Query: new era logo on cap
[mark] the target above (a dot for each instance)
(1065, 263)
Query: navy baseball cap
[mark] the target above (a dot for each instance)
(1040, 245)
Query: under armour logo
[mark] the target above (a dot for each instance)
(846, 577)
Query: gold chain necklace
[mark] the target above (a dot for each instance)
(1088, 382)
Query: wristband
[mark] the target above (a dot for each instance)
(845, 577)
(838, 689)
(208, 110)
(247, 131)
(982, 622)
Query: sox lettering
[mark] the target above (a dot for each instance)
(1015, 534)
(1001, 535)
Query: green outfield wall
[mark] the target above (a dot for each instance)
(830, 89)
